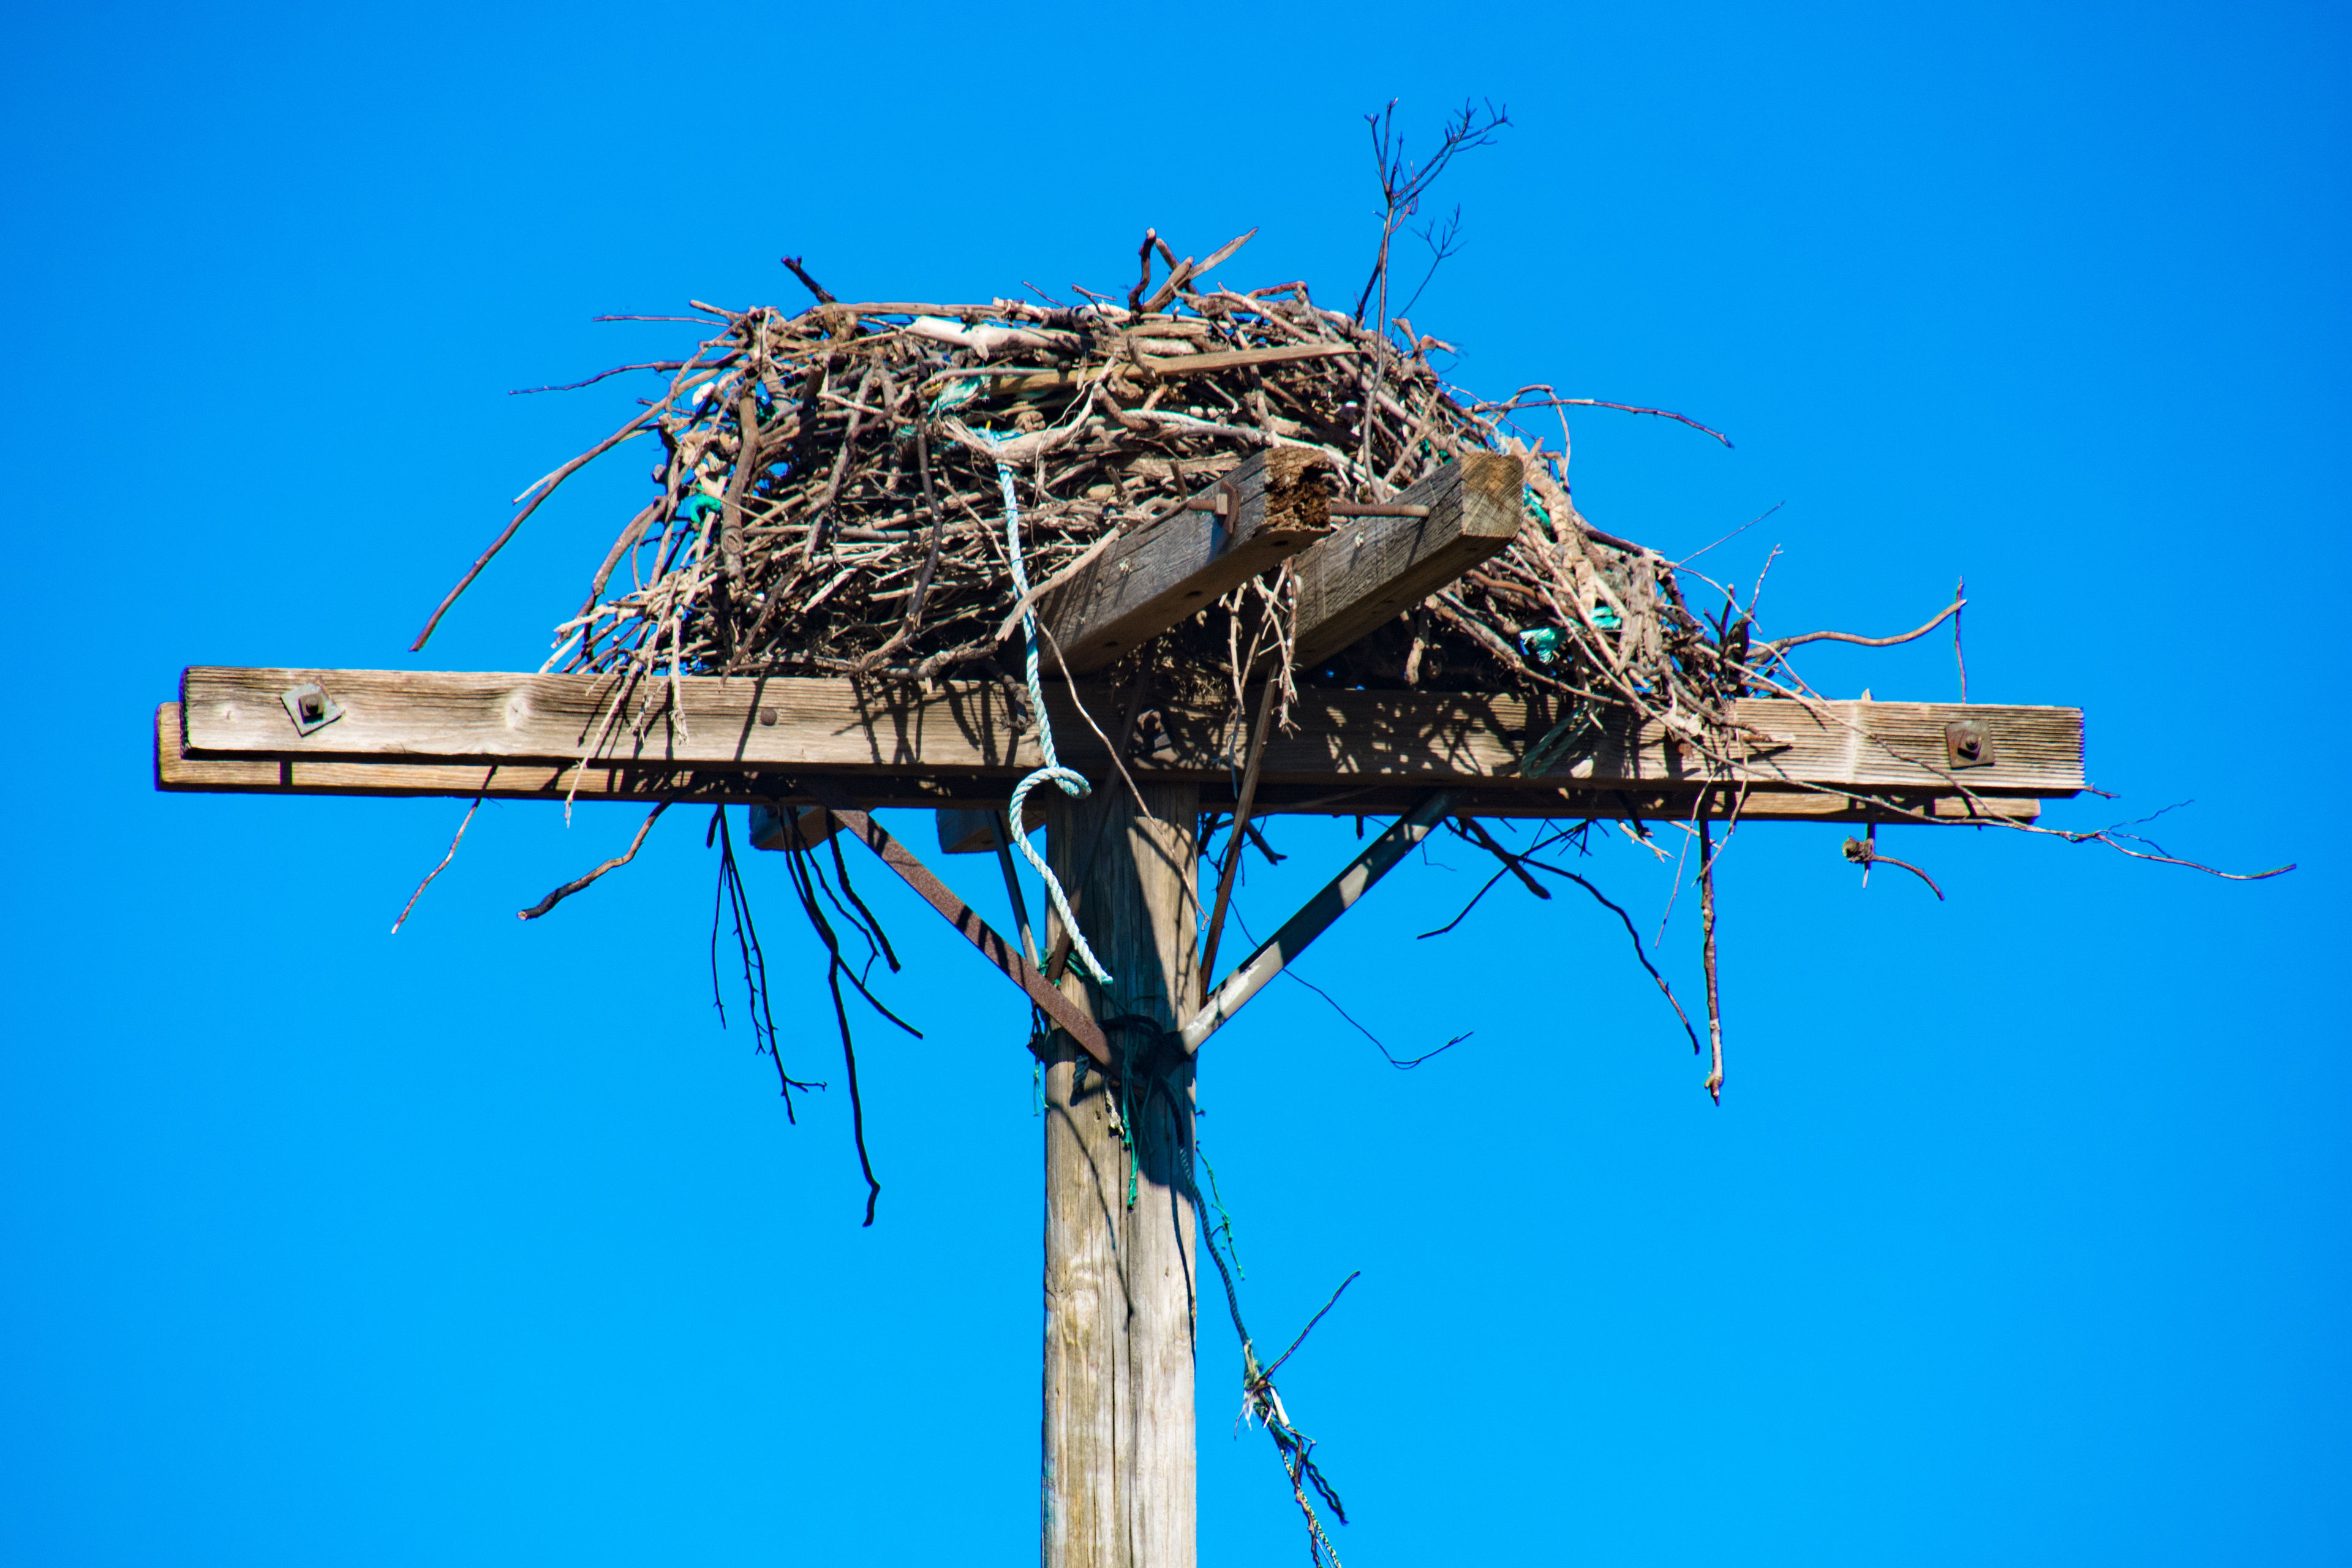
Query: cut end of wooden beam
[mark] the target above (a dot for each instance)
(1264, 512)
(1373, 569)
(971, 830)
(789, 830)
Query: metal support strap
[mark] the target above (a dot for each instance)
(1065, 1012)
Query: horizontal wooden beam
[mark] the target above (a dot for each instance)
(1373, 569)
(977, 797)
(177, 772)
(969, 740)
(1147, 581)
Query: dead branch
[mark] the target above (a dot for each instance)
(1706, 946)
(1783, 644)
(1866, 855)
(458, 838)
(810, 283)
(615, 864)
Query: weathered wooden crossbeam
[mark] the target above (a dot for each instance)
(976, 798)
(1340, 786)
(1354, 570)
(844, 751)
(409, 732)
(1264, 512)
(1372, 570)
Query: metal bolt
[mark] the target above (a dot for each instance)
(767, 715)
(309, 707)
(1966, 745)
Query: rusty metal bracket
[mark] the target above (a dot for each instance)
(1066, 1014)
(1968, 745)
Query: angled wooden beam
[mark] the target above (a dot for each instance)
(782, 830)
(1373, 569)
(1147, 581)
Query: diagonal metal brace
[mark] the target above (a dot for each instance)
(1316, 917)
(1065, 1012)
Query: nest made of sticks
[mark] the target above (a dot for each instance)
(830, 496)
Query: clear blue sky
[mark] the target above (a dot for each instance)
(2019, 1235)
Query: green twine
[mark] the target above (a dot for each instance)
(1126, 1117)
(1225, 1221)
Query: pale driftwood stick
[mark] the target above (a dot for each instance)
(1235, 359)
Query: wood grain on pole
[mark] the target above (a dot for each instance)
(1118, 1488)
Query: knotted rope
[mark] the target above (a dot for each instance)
(1069, 779)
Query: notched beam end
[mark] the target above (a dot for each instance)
(1270, 507)
(1373, 569)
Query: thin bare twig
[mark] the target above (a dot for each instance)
(813, 286)
(437, 870)
(1276, 1365)
(1706, 940)
(1783, 644)
(615, 864)
(1604, 403)
(1865, 854)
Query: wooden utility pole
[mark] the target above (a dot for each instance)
(818, 755)
(1120, 1277)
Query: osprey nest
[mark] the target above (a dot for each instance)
(879, 490)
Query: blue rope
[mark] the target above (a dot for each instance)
(1070, 781)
